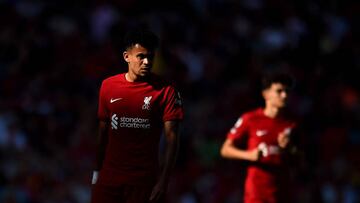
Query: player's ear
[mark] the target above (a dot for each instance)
(126, 56)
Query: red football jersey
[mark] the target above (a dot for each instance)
(267, 178)
(136, 112)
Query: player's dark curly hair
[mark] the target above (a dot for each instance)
(141, 35)
(284, 78)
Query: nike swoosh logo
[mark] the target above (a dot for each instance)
(114, 100)
(261, 133)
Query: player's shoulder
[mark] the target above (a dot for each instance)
(115, 78)
(251, 116)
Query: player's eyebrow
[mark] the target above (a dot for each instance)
(284, 89)
(143, 55)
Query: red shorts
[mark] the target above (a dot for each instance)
(121, 194)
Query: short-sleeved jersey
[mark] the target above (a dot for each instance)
(135, 112)
(265, 178)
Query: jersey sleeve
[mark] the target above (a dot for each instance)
(103, 112)
(173, 105)
(239, 130)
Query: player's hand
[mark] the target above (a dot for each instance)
(158, 191)
(284, 139)
(254, 154)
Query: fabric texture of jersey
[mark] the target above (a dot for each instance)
(266, 179)
(135, 112)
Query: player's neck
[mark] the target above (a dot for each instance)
(271, 112)
(131, 77)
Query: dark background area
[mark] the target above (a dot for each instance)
(54, 55)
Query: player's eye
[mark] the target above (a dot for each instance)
(141, 56)
(280, 91)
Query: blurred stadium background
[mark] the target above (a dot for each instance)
(54, 54)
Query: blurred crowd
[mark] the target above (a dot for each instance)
(54, 55)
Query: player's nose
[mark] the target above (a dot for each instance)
(284, 94)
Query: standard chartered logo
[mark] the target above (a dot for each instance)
(267, 150)
(129, 122)
(114, 122)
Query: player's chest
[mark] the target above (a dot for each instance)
(133, 101)
(267, 130)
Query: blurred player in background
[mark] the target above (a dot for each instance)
(267, 134)
(134, 109)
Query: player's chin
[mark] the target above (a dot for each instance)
(144, 74)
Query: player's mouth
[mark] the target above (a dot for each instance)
(145, 69)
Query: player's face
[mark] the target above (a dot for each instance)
(276, 95)
(139, 59)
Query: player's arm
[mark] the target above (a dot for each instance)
(287, 140)
(230, 151)
(171, 129)
(238, 132)
(102, 140)
(292, 147)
